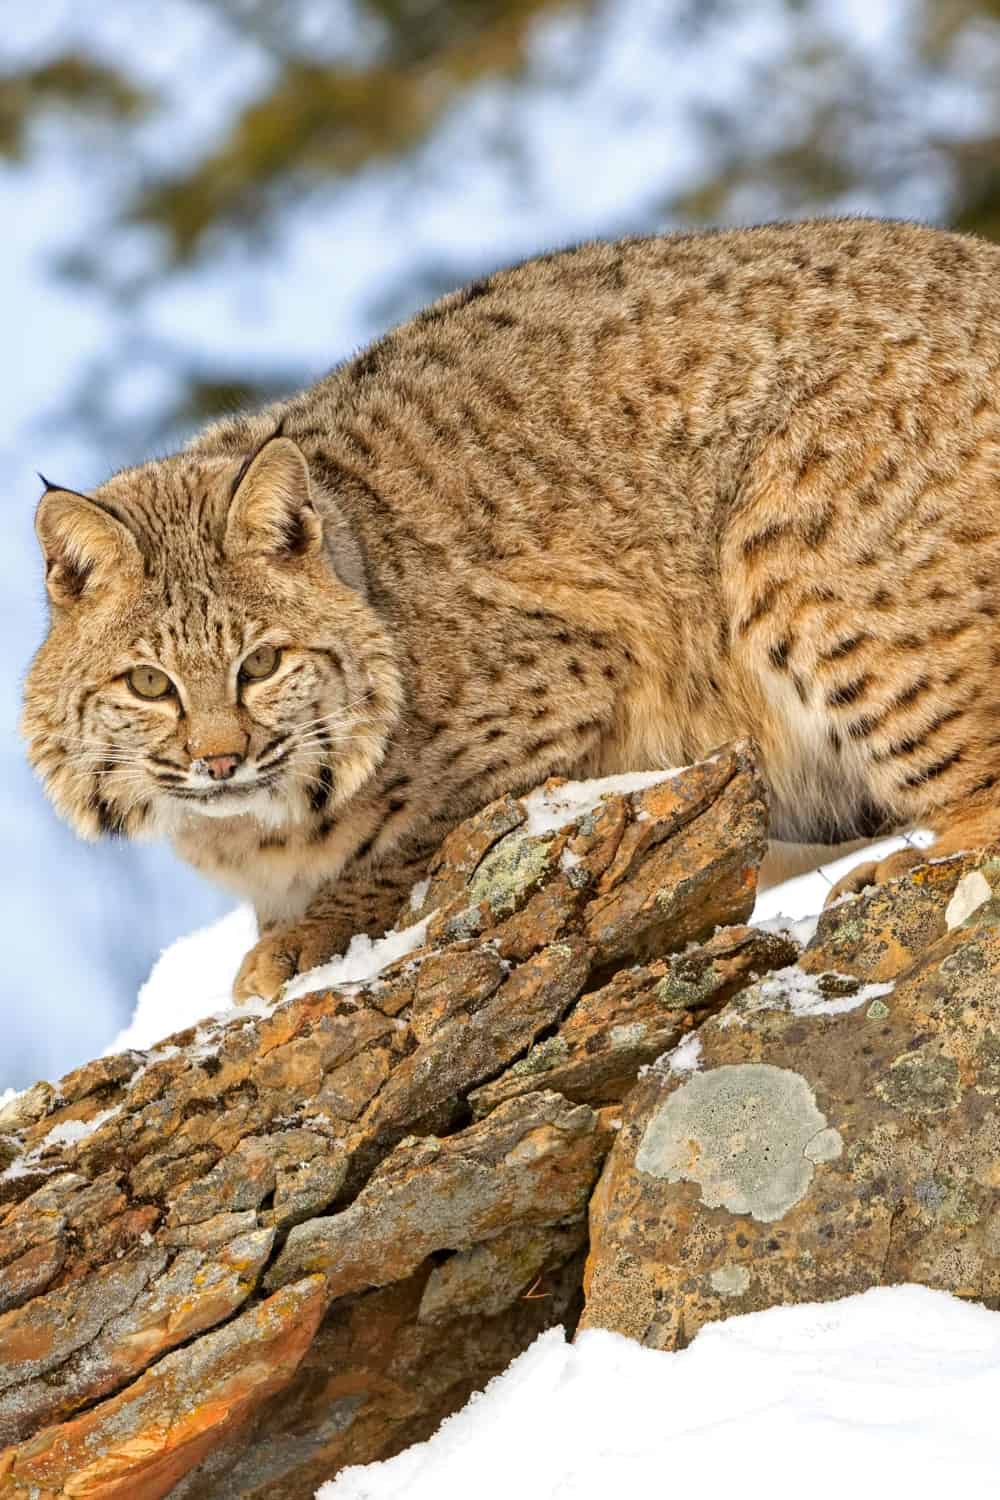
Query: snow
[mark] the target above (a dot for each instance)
(191, 980)
(794, 990)
(893, 1392)
(549, 811)
(972, 892)
(68, 1132)
(800, 929)
(418, 895)
(794, 905)
(364, 961)
(685, 1057)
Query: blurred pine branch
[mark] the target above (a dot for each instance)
(369, 82)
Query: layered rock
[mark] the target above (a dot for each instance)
(297, 1238)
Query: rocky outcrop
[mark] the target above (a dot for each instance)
(299, 1236)
(833, 1128)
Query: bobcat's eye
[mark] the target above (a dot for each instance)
(149, 682)
(260, 663)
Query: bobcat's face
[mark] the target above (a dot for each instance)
(204, 657)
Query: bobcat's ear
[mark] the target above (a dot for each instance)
(272, 514)
(87, 549)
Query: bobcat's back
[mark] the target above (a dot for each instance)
(765, 461)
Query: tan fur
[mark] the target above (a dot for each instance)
(599, 512)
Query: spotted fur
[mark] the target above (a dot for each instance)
(601, 511)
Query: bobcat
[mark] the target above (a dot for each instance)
(599, 512)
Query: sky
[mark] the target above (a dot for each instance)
(608, 124)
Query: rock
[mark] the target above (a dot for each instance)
(614, 1031)
(138, 1444)
(466, 1048)
(483, 1281)
(822, 1133)
(288, 1241)
(123, 1317)
(532, 1161)
(27, 1107)
(682, 888)
(375, 1379)
(879, 933)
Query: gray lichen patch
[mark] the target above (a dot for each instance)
(987, 1062)
(826, 1145)
(730, 1280)
(749, 1134)
(689, 984)
(543, 1056)
(630, 1035)
(510, 872)
(922, 1082)
(463, 925)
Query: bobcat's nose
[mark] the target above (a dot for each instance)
(219, 767)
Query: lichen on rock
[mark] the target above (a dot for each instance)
(749, 1135)
(838, 1134)
(295, 1239)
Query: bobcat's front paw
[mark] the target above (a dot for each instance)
(875, 872)
(283, 952)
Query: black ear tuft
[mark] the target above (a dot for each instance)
(297, 534)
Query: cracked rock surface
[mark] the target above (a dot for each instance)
(832, 1128)
(298, 1237)
(295, 1239)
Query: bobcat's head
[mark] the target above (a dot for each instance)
(211, 651)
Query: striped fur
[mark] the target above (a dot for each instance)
(601, 511)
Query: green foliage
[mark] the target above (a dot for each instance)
(386, 80)
(319, 123)
(70, 84)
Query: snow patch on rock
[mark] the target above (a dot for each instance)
(550, 811)
(364, 961)
(685, 1057)
(68, 1132)
(191, 980)
(418, 894)
(794, 905)
(804, 994)
(972, 892)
